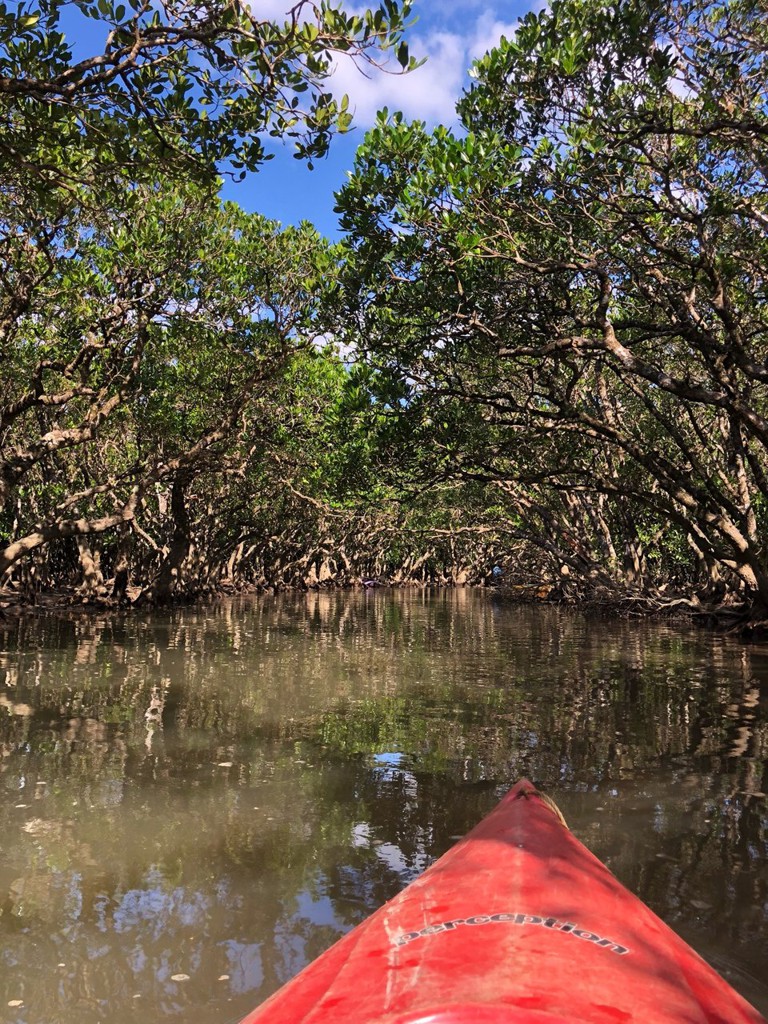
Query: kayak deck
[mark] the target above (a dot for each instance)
(517, 923)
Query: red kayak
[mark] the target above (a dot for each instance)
(517, 924)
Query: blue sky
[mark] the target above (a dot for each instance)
(449, 34)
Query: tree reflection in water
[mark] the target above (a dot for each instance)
(221, 793)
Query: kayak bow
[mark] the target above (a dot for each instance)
(517, 924)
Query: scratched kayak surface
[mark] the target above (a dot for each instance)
(517, 923)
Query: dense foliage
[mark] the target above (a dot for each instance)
(572, 289)
(557, 312)
(177, 86)
(159, 348)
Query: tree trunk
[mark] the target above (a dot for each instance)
(122, 566)
(64, 528)
(90, 562)
(165, 584)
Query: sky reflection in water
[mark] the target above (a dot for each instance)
(197, 803)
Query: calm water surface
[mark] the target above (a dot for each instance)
(195, 804)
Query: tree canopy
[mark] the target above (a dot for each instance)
(573, 286)
(158, 345)
(555, 313)
(185, 88)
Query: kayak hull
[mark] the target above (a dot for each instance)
(517, 924)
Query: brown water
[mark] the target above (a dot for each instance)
(219, 794)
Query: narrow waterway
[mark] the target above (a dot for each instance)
(197, 803)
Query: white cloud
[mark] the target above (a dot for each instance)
(488, 31)
(451, 38)
(277, 10)
(429, 93)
